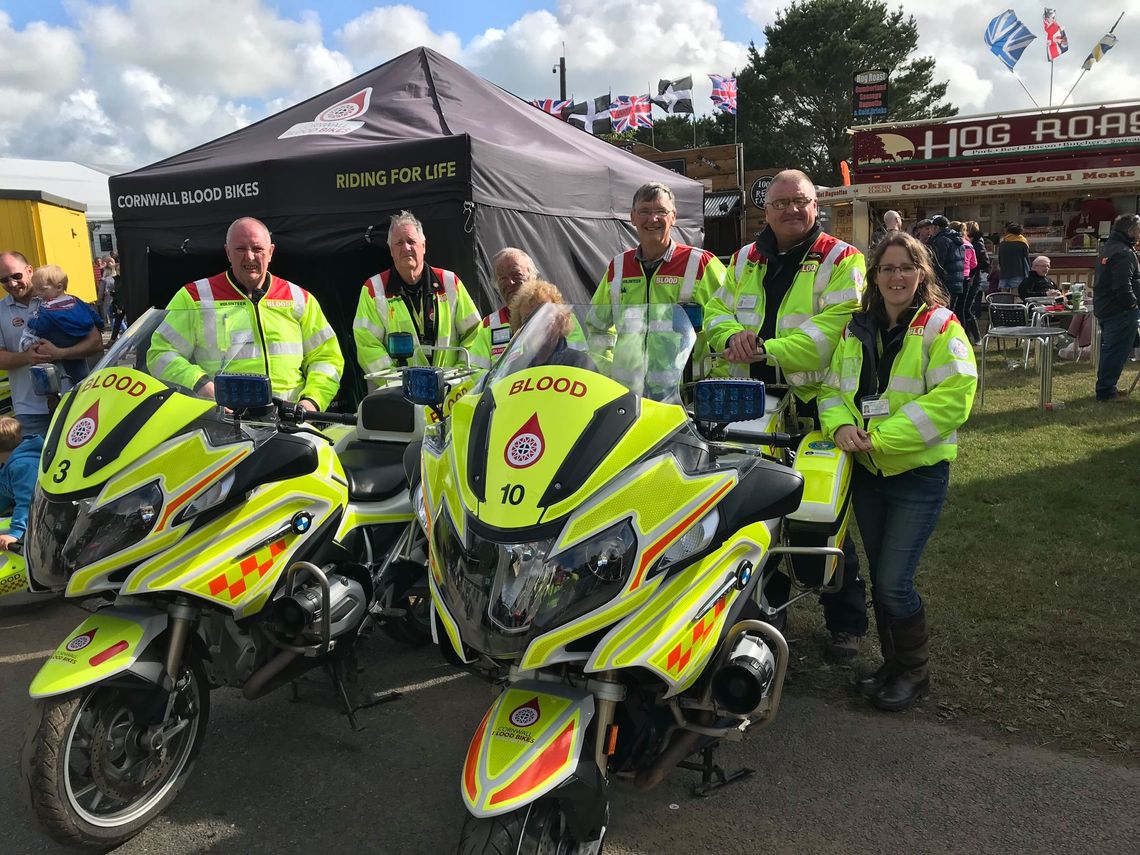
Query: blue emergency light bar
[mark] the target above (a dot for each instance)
(727, 401)
(242, 391)
(401, 345)
(424, 386)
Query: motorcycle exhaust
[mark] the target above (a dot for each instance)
(740, 685)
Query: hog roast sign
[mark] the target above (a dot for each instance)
(1103, 129)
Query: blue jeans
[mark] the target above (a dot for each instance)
(1117, 332)
(34, 424)
(896, 516)
(1009, 283)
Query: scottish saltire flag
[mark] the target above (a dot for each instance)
(675, 96)
(553, 106)
(724, 93)
(1008, 38)
(1056, 42)
(1106, 43)
(589, 112)
(630, 112)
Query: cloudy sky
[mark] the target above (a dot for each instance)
(126, 82)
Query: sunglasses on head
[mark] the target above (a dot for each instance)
(17, 277)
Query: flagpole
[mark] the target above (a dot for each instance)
(1027, 92)
(1084, 70)
(1052, 63)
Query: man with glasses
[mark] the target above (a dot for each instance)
(789, 295)
(513, 269)
(30, 409)
(657, 271)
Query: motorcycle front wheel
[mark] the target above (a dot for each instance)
(96, 777)
(539, 828)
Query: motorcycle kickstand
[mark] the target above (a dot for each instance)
(341, 672)
(713, 777)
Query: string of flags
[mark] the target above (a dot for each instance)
(630, 112)
(1008, 38)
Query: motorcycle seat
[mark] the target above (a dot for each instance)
(375, 470)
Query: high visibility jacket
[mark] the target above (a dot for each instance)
(930, 392)
(491, 339)
(212, 325)
(809, 320)
(686, 274)
(382, 310)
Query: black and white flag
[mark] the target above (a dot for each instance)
(675, 96)
(589, 112)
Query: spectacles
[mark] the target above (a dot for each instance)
(891, 269)
(800, 202)
(660, 213)
(15, 277)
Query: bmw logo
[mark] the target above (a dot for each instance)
(743, 575)
(301, 523)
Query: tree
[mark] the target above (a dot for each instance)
(672, 133)
(795, 98)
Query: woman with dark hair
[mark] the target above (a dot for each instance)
(974, 286)
(901, 383)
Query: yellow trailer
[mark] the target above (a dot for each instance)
(49, 230)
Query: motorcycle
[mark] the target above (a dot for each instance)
(596, 552)
(224, 542)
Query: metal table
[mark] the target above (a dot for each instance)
(1042, 337)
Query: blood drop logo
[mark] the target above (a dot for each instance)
(526, 446)
(81, 641)
(84, 428)
(527, 714)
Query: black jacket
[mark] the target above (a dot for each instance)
(1116, 288)
(946, 248)
(1035, 285)
(1013, 257)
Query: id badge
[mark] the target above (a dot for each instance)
(875, 406)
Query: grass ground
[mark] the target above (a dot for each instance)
(1031, 579)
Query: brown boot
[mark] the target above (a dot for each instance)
(911, 656)
(869, 686)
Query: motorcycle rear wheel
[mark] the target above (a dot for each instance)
(414, 626)
(539, 828)
(93, 782)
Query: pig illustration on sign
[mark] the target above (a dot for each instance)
(881, 148)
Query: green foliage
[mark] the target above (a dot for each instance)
(676, 132)
(795, 99)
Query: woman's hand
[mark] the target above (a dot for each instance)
(851, 438)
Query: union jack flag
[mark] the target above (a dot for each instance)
(630, 112)
(724, 93)
(554, 107)
(1056, 42)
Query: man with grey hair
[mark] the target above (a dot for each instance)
(245, 319)
(412, 297)
(1038, 283)
(657, 271)
(513, 269)
(892, 221)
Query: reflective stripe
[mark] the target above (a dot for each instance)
(320, 337)
(661, 378)
(823, 273)
(615, 283)
(291, 394)
(907, 385)
(748, 319)
(326, 368)
(802, 378)
(936, 375)
(576, 345)
(661, 326)
(285, 348)
(467, 322)
(209, 315)
(849, 384)
(162, 362)
(791, 321)
(166, 331)
(719, 319)
(833, 298)
(922, 423)
(831, 379)
(298, 301)
(246, 351)
(381, 301)
(742, 259)
(479, 360)
(931, 331)
(602, 340)
(631, 326)
(815, 334)
(829, 404)
(364, 324)
(724, 295)
(381, 363)
(690, 280)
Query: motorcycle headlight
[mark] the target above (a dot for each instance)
(419, 508)
(216, 494)
(690, 543)
(113, 527)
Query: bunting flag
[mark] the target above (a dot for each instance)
(1008, 38)
(675, 96)
(630, 112)
(1056, 42)
(724, 93)
(553, 106)
(587, 113)
(1106, 43)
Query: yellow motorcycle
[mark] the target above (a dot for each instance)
(236, 542)
(596, 548)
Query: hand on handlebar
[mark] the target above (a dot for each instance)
(852, 438)
(744, 346)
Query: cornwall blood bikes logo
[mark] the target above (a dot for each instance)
(81, 641)
(526, 446)
(84, 428)
(335, 119)
(527, 714)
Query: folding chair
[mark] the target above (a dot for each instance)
(1005, 319)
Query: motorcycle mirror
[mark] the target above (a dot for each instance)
(401, 346)
(45, 380)
(424, 386)
(726, 401)
(240, 392)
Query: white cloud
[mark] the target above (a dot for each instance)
(388, 31)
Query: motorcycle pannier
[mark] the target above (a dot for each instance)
(822, 517)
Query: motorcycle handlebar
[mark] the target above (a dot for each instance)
(773, 440)
(291, 412)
